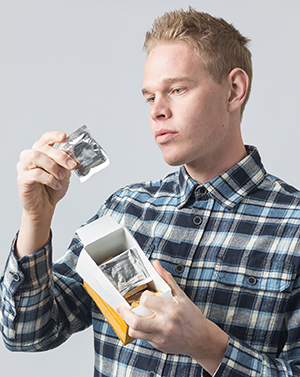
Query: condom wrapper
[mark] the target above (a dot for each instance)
(85, 150)
(126, 272)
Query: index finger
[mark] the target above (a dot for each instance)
(137, 323)
(50, 138)
(154, 302)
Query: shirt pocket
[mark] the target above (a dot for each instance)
(277, 280)
(251, 303)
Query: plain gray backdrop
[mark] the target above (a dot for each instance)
(65, 63)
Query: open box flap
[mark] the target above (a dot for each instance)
(97, 229)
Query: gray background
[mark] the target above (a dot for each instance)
(65, 63)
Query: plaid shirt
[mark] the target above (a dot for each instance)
(232, 245)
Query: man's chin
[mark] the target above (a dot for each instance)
(173, 160)
(173, 163)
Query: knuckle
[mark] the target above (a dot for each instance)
(131, 333)
(50, 180)
(18, 166)
(32, 154)
(36, 174)
(62, 156)
(23, 154)
(135, 324)
(144, 299)
(40, 176)
(52, 166)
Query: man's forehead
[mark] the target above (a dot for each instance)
(171, 56)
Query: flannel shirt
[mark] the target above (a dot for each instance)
(232, 245)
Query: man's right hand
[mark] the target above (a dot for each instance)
(43, 180)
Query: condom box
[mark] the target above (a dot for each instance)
(103, 239)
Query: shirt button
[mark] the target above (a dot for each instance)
(251, 280)
(151, 374)
(179, 268)
(197, 220)
(16, 277)
(202, 191)
(11, 311)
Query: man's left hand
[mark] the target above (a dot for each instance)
(177, 326)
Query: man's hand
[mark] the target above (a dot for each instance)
(43, 180)
(177, 326)
(43, 174)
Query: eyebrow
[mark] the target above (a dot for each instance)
(170, 81)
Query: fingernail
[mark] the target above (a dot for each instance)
(60, 135)
(58, 185)
(71, 164)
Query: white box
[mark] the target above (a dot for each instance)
(102, 239)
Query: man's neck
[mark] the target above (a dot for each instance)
(205, 171)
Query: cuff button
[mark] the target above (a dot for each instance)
(16, 276)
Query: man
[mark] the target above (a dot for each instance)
(222, 232)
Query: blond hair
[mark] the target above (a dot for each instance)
(219, 44)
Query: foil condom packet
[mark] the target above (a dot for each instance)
(126, 272)
(85, 150)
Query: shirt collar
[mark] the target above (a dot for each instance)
(230, 187)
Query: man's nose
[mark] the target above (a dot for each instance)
(160, 109)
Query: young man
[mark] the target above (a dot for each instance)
(222, 232)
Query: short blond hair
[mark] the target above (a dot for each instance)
(219, 44)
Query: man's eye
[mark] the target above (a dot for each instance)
(178, 90)
(151, 99)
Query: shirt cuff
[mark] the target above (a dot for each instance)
(239, 360)
(31, 270)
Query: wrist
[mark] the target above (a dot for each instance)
(33, 234)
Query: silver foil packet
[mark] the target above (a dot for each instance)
(85, 150)
(126, 271)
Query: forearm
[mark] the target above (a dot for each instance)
(33, 234)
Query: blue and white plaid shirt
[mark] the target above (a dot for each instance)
(232, 245)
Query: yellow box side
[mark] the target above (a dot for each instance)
(117, 323)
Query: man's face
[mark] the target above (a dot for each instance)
(188, 109)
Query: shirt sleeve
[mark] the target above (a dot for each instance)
(42, 304)
(241, 360)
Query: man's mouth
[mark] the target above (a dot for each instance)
(164, 135)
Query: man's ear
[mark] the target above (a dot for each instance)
(238, 81)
